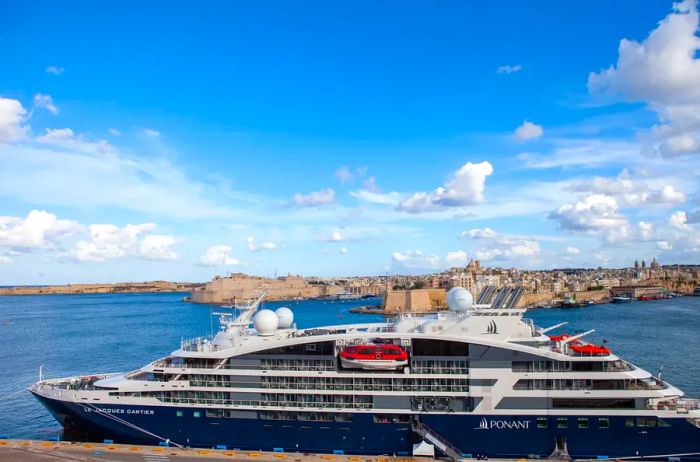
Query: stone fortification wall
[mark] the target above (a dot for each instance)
(414, 301)
(240, 287)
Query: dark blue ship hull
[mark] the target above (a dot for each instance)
(493, 436)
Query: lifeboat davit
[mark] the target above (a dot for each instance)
(559, 338)
(374, 357)
(592, 350)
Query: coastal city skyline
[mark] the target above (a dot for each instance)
(260, 142)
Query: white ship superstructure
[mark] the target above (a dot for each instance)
(471, 380)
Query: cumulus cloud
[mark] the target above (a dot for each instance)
(343, 250)
(646, 230)
(528, 131)
(630, 192)
(219, 255)
(55, 70)
(108, 241)
(114, 132)
(254, 247)
(13, 117)
(457, 258)
(595, 214)
(496, 246)
(465, 187)
(663, 71)
(314, 199)
(509, 69)
(38, 230)
(45, 102)
(679, 220)
(572, 251)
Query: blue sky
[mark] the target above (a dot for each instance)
(179, 141)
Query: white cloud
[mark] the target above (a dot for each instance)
(219, 255)
(67, 139)
(465, 187)
(65, 169)
(509, 69)
(333, 236)
(630, 192)
(344, 174)
(679, 220)
(314, 199)
(457, 258)
(343, 250)
(114, 132)
(46, 102)
(663, 71)
(158, 247)
(108, 241)
(253, 247)
(415, 259)
(646, 230)
(479, 233)
(373, 197)
(38, 230)
(595, 214)
(55, 70)
(664, 245)
(528, 131)
(5, 260)
(502, 247)
(151, 133)
(572, 251)
(13, 118)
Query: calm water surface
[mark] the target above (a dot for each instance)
(85, 334)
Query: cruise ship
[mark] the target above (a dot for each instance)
(472, 380)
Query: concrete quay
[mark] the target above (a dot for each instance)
(52, 451)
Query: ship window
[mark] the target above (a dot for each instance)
(178, 413)
(651, 422)
(663, 423)
(197, 414)
(392, 418)
(629, 422)
(583, 422)
(603, 422)
(641, 422)
(542, 422)
(562, 422)
(215, 413)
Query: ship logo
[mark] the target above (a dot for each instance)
(493, 328)
(483, 425)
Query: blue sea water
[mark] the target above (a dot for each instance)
(85, 334)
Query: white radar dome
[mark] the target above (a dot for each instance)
(266, 322)
(286, 317)
(459, 299)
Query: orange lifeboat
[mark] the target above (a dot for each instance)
(591, 350)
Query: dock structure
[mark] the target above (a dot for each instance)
(52, 451)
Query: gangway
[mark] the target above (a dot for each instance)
(436, 440)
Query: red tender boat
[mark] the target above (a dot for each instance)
(591, 350)
(374, 357)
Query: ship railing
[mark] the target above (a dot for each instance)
(266, 404)
(197, 344)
